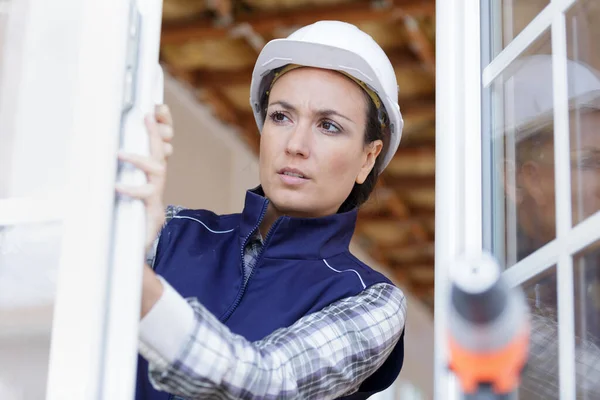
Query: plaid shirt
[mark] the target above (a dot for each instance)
(324, 355)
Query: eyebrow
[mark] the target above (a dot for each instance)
(325, 112)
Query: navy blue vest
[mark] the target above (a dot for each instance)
(200, 254)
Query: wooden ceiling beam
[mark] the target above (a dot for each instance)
(397, 208)
(406, 182)
(419, 43)
(400, 58)
(219, 104)
(421, 216)
(226, 112)
(183, 75)
(410, 254)
(266, 22)
(417, 108)
(412, 233)
(400, 211)
(392, 233)
(224, 9)
(215, 78)
(412, 162)
(421, 290)
(416, 288)
(422, 273)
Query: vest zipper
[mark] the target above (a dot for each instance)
(258, 258)
(242, 290)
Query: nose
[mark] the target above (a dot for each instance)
(298, 142)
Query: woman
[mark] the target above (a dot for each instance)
(277, 307)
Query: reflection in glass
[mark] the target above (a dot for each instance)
(522, 194)
(522, 151)
(586, 288)
(584, 116)
(510, 17)
(540, 379)
(534, 164)
(583, 32)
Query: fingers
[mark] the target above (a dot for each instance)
(149, 165)
(168, 149)
(157, 148)
(165, 132)
(142, 192)
(163, 117)
(163, 114)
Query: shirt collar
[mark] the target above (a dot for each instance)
(298, 238)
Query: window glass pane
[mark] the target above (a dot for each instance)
(28, 264)
(4, 4)
(4, 12)
(584, 111)
(586, 279)
(34, 162)
(31, 164)
(509, 17)
(29, 258)
(540, 379)
(521, 180)
(583, 32)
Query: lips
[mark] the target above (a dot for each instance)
(296, 173)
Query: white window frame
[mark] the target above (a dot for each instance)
(93, 351)
(458, 178)
(460, 78)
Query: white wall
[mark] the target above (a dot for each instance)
(212, 169)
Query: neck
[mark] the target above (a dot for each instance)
(270, 217)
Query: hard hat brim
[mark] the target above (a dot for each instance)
(586, 102)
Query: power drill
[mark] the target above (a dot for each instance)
(488, 329)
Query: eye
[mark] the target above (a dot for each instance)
(278, 117)
(330, 127)
(587, 160)
(588, 163)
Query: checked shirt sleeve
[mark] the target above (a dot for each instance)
(324, 355)
(170, 212)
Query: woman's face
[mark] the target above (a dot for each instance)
(537, 177)
(312, 149)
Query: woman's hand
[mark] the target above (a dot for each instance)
(155, 167)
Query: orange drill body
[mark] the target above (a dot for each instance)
(489, 331)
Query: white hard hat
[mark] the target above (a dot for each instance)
(533, 100)
(336, 46)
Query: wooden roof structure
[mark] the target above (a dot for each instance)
(212, 45)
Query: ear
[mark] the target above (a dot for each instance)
(370, 155)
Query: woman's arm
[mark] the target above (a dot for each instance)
(324, 355)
